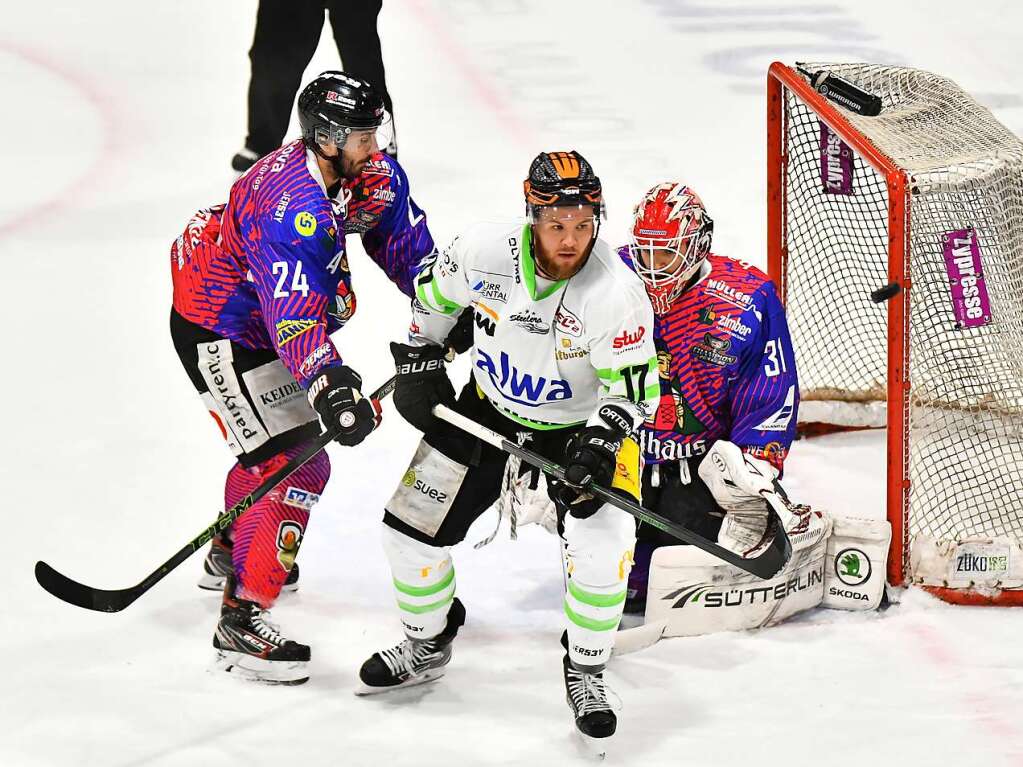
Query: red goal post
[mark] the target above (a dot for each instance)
(854, 205)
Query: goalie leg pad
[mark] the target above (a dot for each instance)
(857, 555)
(424, 582)
(695, 593)
(599, 555)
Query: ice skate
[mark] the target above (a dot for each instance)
(586, 693)
(249, 646)
(411, 661)
(217, 566)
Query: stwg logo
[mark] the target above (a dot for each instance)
(852, 567)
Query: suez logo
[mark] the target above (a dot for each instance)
(628, 339)
(516, 386)
(709, 596)
(411, 480)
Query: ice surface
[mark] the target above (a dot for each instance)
(119, 120)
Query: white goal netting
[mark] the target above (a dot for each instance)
(964, 266)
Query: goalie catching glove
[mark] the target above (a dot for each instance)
(604, 455)
(738, 481)
(336, 397)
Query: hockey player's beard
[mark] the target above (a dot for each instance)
(560, 268)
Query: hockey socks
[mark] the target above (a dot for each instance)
(266, 538)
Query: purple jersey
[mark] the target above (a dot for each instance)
(269, 270)
(393, 228)
(725, 366)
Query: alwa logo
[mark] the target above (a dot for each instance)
(523, 388)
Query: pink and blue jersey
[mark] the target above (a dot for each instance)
(725, 366)
(269, 269)
(393, 228)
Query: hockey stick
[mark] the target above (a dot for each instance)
(112, 601)
(766, 565)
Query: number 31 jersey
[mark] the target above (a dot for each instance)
(725, 368)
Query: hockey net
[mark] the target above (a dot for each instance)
(926, 197)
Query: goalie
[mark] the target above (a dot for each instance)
(728, 391)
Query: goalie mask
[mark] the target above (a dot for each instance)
(671, 236)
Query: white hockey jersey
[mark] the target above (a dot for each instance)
(546, 354)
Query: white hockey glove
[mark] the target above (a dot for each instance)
(738, 482)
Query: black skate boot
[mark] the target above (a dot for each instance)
(244, 159)
(586, 694)
(411, 661)
(217, 566)
(251, 647)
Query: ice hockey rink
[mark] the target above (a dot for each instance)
(119, 121)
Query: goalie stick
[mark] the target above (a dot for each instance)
(115, 600)
(766, 565)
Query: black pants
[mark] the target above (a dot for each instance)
(481, 485)
(287, 33)
(689, 504)
(300, 423)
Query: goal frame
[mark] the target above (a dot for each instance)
(779, 79)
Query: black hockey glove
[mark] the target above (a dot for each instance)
(460, 337)
(591, 456)
(421, 382)
(335, 396)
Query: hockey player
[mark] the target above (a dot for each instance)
(563, 357)
(727, 381)
(259, 285)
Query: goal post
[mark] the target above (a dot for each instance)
(921, 206)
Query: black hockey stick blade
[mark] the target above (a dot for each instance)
(115, 600)
(80, 595)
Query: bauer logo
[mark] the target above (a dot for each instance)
(300, 499)
(852, 567)
(980, 559)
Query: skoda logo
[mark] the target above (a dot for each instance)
(852, 567)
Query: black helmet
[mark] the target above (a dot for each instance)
(335, 104)
(562, 178)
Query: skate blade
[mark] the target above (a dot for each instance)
(243, 666)
(596, 747)
(364, 689)
(216, 583)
